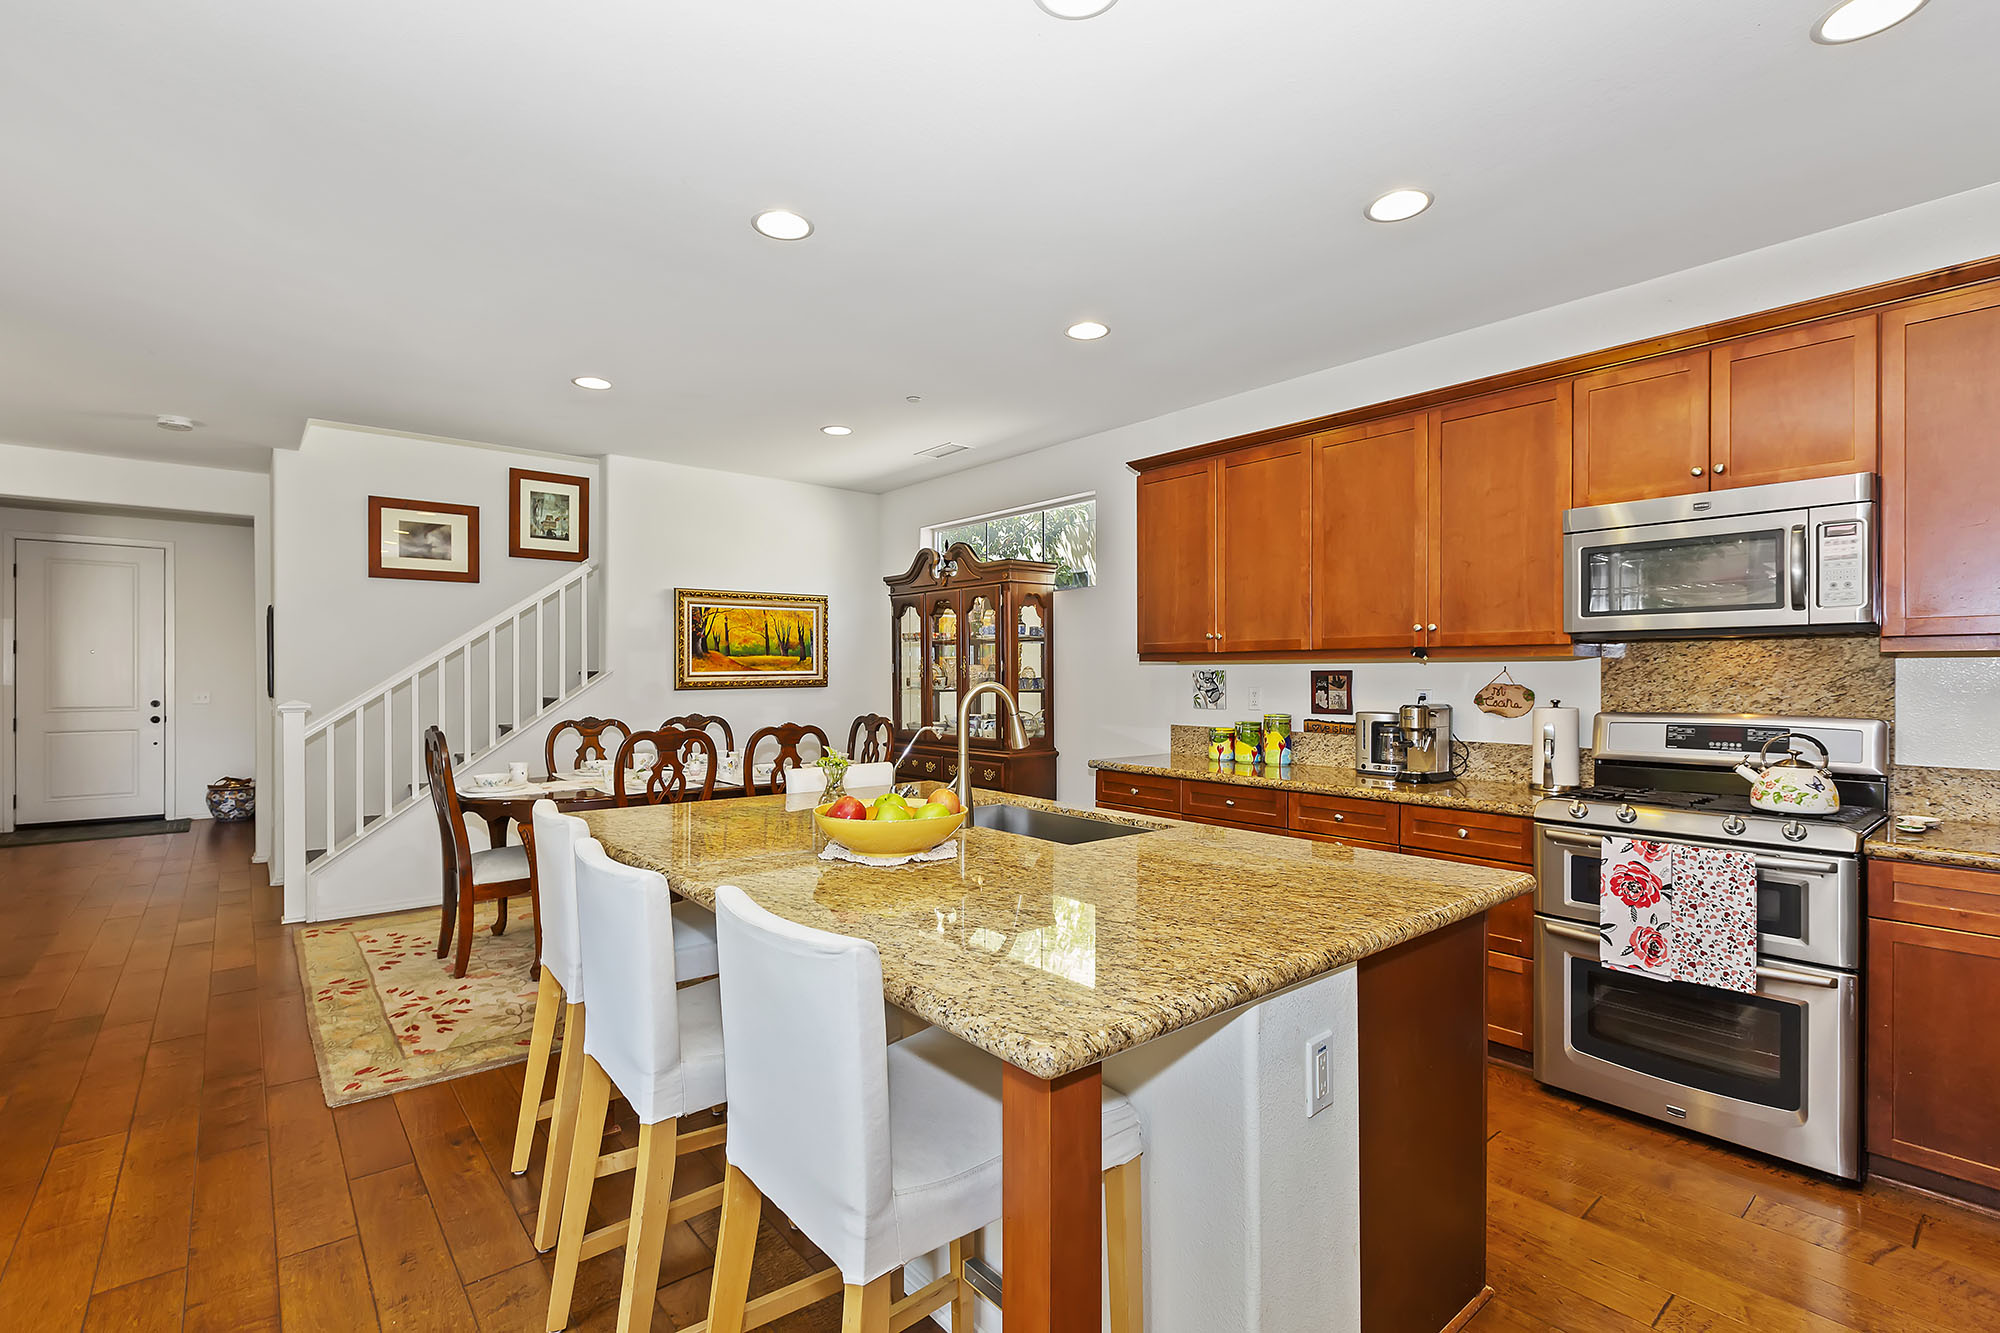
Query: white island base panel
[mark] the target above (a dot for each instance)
(1252, 1208)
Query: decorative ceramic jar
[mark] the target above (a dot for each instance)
(1278, 738)
(232, 800)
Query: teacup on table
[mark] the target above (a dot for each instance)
(489, 781)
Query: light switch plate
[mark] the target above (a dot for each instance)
(1319, 1074)
(201, 698)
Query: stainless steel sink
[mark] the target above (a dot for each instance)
(1049, 826)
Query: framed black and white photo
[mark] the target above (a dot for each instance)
(422, 539)
(1211, 689)
(1333, 693)
(548, 515)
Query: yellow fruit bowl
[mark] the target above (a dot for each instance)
(887, 837)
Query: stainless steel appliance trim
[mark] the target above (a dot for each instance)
(1825, 1133)
(1795, 569)
(1855, 488)
(1874, 734)
(1830, 904)
(1765, 972)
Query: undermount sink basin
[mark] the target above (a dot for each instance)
(1049, 826)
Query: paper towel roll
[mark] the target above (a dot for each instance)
(1563, 769)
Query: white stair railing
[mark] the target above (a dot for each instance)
(350, 769)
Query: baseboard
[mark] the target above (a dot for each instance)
(1472, 1307)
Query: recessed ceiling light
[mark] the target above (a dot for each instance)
(590, 382)
(1075, 9)
(836, 430)
(782, 224)
(173, 423)
(1852, 20)
(1088, 330)
(1398, 206)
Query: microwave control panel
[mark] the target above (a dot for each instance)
(1843, 564)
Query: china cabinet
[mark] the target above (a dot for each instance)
(957, 621)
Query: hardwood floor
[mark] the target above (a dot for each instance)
(167, 1162)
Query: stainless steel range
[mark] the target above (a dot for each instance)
(1778, 1071)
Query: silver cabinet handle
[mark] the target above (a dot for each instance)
(1585, 935)
(1463, 834)
(1229, 803)
(1431, 628)
(1720, 468)
(1135, 791)
(1694, 472)
(1418, 628)
(1339, 818)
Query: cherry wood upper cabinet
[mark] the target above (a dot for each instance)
(1941, 467)
(1500, 480)
(1794, 404)
(1176, 572)
(1641, 430)
(1263, 531)
(1370, 507)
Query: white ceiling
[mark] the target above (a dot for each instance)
(430, 216)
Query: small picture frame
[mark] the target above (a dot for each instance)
(422, 539)
(548, 515)
(1333, 693)
(1211, 690)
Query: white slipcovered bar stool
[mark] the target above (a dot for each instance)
(561, 990)
(657, 1044)
(879, 1153)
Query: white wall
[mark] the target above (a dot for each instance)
(215, 639)
(340, 631)
(1110, 703)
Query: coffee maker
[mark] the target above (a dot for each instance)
(1412, 744)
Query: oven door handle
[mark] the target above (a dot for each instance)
(1762, 862)
(1765, 972)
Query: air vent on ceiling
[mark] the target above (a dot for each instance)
(945, 450)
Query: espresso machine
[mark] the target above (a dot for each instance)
(1412, 744)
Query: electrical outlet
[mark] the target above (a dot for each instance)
(201, 698)
(1319, 1074)
(1256, 698)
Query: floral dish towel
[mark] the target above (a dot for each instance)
(1679, 913)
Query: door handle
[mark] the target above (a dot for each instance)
(1798, 567)
(1585, 935)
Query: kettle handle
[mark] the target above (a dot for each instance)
(1825, 758)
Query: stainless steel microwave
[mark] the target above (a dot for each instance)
(1794, 557)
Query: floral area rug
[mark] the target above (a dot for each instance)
(387, 1014)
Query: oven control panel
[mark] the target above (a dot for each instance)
(1843, 564)
(1728, 738)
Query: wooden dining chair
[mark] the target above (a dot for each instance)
(876, 736)
(589, 740)
(787, 735)
(470, 877)
(702, 722)
(674, 749)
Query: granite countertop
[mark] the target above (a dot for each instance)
(1054, 957)
(1499, 798)
(1973, 844)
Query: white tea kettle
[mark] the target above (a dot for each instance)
(1793, 785)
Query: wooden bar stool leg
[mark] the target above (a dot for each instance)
(963, 1296)
(548, 999)
(590, 1113)
(866, 1309)
(1124, 1242)
(735, 1247)
(562, 1130)
(652, 1195)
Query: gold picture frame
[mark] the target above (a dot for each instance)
(748, 640)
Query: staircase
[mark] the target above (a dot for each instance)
(349, 773)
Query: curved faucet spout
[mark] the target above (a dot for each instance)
(1016, 738)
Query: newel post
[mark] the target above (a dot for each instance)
(292, 798)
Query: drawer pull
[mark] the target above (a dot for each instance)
(1339, 818)
(1135, 791)
(987, 773)
(930, 765)
(1463, 834)
(1229, 802)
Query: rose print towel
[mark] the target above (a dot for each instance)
(1679, 913)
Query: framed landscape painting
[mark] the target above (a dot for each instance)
(422, 539)
(548, 515)
(738, 640)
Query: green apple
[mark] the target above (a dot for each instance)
(934, 810)
(894, 813)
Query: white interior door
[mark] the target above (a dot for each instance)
(91, 681)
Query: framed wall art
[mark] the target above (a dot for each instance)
(748, 640)
(1333, 692)
(548, 515)
(422, 539)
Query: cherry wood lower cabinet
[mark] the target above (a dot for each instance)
(1933, 1045)
(1504, 842)
(1022, 772)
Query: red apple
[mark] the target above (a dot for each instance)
(847, 808)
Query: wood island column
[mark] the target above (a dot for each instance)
(1053, 1144)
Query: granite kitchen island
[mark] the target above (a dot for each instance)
(1194, 968)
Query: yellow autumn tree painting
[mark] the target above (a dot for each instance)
(753, 638)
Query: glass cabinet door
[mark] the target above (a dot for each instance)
(909, 667)
(1031, 657)
(942, 630)
(984, 661)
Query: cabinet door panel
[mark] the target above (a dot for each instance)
(1642, 431)
(1264, 525)
(1500, 469)
(1510, 1001)
(1510, 927)
(1941, 465)
(1933, 1057)
(1795, 404)
(1139, 791)
(1176, 574)
(1369, 505)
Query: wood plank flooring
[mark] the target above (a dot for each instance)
(167, 1162)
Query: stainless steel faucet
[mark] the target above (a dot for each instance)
(916, 736)
(1016, 738)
